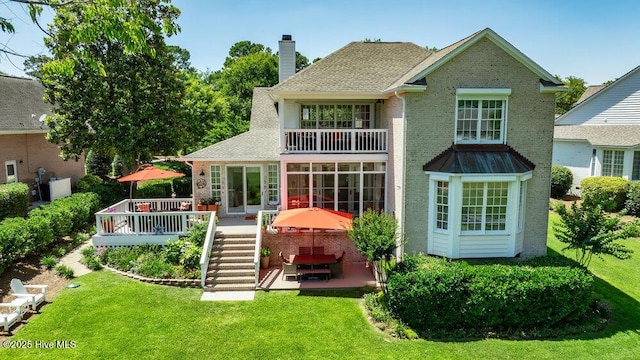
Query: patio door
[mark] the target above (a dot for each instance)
(244, 189)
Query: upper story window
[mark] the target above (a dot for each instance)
(612, 163)
(335, 116)
(481, 115)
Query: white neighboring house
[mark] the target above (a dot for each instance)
(601, 135)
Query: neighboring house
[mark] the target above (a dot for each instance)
(23, 146)
(601, 135)
(456, 144)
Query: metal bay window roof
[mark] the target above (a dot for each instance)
(479, 159)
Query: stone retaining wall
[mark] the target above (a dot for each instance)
(194, 283)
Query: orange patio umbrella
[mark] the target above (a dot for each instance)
(148, 172)
(313, 218)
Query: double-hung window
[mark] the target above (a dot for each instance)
(612, 163)
(481, 115)
(635, 171)
(484, 206)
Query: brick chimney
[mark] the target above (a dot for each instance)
(287, 60)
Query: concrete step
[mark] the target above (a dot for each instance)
(231, 266)
(231, 280)
(232, 254)
(230, 272)
(235, 236)
(229, 287)
(233, 246)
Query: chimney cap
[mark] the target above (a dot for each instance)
(286, 37)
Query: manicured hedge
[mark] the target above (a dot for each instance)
(154, 189)
(21, 237)
(612, 190)
(14, 200)
(561, 180)
(434, 296)
(633, 199)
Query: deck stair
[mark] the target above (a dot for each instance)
(231, 266)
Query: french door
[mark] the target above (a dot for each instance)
(244, 189)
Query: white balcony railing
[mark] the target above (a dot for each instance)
(163, 217)
(335, 141)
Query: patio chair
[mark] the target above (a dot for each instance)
(336, 269)
(289, 269)
(33, 299)
(7, 319)
(304, 250)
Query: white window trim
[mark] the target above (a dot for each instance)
(15, 171)
(218, 184)
(284, 177)
(625, 174)
(371, 105)
(483, 94)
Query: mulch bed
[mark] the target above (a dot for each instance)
(30, 272)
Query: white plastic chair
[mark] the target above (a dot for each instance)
(8, 319)
(33, 299)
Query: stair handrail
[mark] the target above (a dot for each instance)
(256, 253)
(206, 248)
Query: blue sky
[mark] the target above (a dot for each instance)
(594, 40)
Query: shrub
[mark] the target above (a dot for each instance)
(633, 199)
(612, 189)
(99, 163)
(561, 181)
(183, 186)
(123, 258)
(196, 234)
(109, 192)
(64, 271)
(14, 200)
(48, 261)
(588, 230)
(152, 189)
(87, 182)
(153, 265)
(41, 231)
(15, 241)
(91, 261)
(441, 298)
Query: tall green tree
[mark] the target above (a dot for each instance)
(114, 93)
(566, 100)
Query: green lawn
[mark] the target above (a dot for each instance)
(112, 317)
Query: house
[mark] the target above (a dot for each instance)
(600, 136)
(455, 143)
(26, 155)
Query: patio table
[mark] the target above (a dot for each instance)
(313, 260)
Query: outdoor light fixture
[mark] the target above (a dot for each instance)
(202, 172)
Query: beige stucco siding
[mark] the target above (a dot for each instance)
(430, 118)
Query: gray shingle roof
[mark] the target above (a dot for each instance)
(21, 98)
(591, 90)
(359, 67)
(260, 143)
(600, 135)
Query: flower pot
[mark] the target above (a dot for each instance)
(264, 262)
(202, 207)
(108, 226)
(212, 208)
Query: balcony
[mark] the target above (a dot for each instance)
(335, 141)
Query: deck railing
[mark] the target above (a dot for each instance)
(335, 141)
(265, 218)
(206, 249)
(163, 217)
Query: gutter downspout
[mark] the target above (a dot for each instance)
(401, 221)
